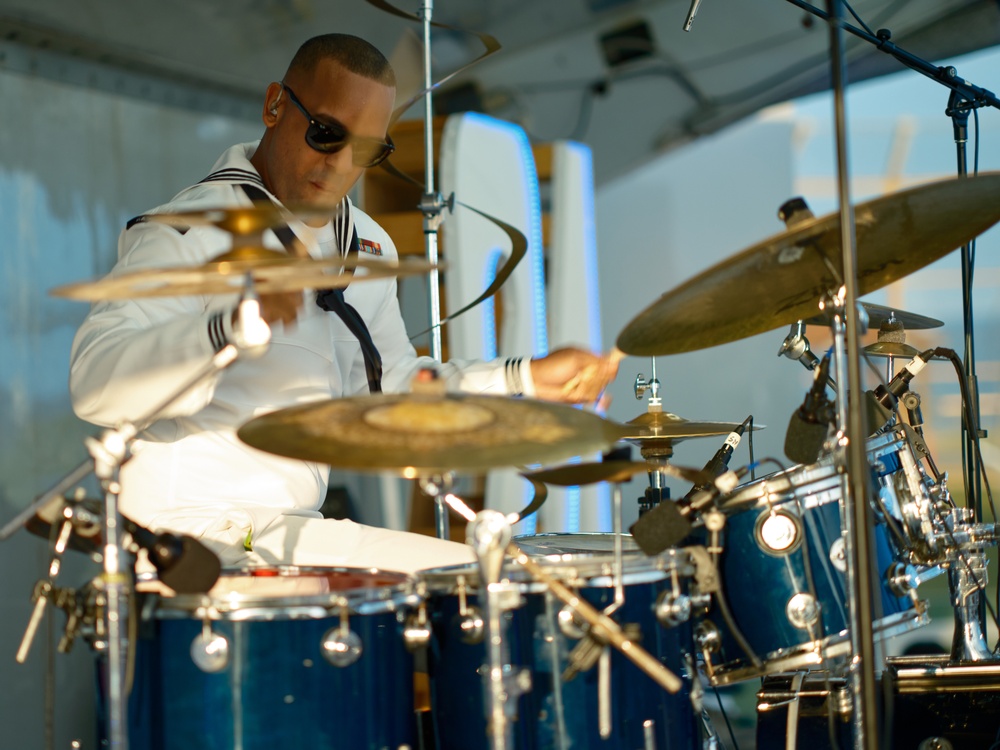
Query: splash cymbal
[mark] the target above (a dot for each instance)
(891, 349)
(662, 425)
(592, 472)
(423, 434)
(879, 315)
(782, 279)
(272, 271)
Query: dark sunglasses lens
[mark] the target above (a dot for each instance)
(327, 139)
(370, 154)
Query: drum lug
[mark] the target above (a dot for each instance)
(210, 650)
(471, 626)
(569, 625)
(672, 609)
(341, 646)
(416, 630)
(707, 638)
(802, 611)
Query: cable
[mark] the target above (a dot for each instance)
(857, 17)
(725, 717)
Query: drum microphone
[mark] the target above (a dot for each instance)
(718, 463)
(181, 561)
(880, 403)
(668, 523)
(810, 423)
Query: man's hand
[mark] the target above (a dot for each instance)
(574, 376)
(281, 307)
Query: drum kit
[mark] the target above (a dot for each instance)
(554, 640)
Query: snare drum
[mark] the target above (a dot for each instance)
(551, 713)
(783, 568)
(277, 657)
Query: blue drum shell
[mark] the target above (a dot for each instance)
(277, 691)
(535, 643)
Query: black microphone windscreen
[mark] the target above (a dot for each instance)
(194, 571)
(660, 528)
(804, 439)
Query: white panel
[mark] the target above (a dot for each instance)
(488, 164)
(574, 309)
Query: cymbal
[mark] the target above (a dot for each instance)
(245, 220)
(592, 472)
(878, 315)
(662, 425)
(891, 349)
(782, 279)
(271, 270)
(422, 434)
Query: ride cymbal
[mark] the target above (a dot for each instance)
(782, 279)
(271, 271)
(422, 434)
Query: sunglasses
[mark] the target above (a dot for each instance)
(329, 138)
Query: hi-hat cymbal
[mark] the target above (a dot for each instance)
(782, 279)
(271, 270)
(891, 349)
(592, 472)
(880, 314)
(423, 434)
(662, 425)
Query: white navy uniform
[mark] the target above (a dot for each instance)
(190, 473)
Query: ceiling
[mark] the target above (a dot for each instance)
(651, 87)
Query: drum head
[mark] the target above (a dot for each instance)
(290, 591)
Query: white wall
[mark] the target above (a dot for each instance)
(677, 216)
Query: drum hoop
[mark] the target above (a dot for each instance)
(399, 592)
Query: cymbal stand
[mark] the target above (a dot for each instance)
(657, 490)
(432, 205)
(796, 347)
(490, 535)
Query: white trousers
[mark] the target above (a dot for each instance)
(302, 540)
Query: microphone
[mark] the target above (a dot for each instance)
(691, 14)
(809, 424)
(181, 561)
(881, 402)
(668, 523)
(718, 463)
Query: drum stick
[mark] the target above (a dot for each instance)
(603, 626)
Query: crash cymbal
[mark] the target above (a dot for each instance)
(782, 279)
(243, 221)
(879, 315)
(573, 475)
(271, 270)
(421, 434)
(891, 349)
(662, 425)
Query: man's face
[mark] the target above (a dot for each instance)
(293, 170)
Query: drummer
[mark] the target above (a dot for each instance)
(325, 123)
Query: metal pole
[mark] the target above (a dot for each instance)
(855, 498)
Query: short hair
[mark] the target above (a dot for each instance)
(353, 53)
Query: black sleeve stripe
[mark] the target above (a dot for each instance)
(217, 332)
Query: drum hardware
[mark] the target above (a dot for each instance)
(108, 452)
(673, 607)
(210, 650)
(796, 347)
(340, 645)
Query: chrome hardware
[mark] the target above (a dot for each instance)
(210, 650)
(802, 610)
(340, 645)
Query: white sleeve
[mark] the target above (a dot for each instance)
(131, 355)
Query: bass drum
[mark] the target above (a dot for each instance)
(278, 657)
(551, 713)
